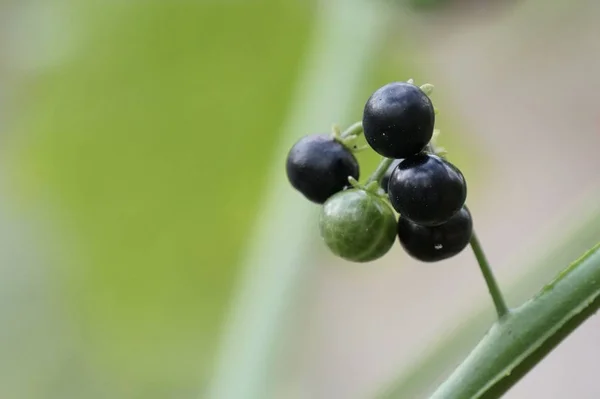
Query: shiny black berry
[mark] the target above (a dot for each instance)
(386, 178)
(319, 166)
(398, 120)
(427, 189)
(435, 243)
(358, 225)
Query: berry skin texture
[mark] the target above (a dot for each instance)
(398, 120)
(427, 189)
(435, 243)
(357, 225)
(319, 166)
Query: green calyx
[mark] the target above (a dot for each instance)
(371, 187)
(358, 225)
(349, 138)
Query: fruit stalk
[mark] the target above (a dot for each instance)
(355, 130)
(484, 266)
(488, 276)
(383, 166)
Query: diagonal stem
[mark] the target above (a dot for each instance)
(380, 171)
(277, 259)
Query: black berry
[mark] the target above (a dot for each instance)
(386, 178)
(435, 243)
(358, 225)
(318, 166)
(427, 189)
(398, 120)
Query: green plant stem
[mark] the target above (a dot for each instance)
(484, 266)
(517, 343)
(581, 231)
(380, 171)
(488, 276)
(355, 129)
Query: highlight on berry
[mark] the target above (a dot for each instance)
(414, 195)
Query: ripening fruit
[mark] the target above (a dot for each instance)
(398, 120)
(435, 243)
(319, 166)
(427, 189)
(358, 225)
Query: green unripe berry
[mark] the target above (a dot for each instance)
(358, 225)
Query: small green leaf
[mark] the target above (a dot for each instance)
(517, 342)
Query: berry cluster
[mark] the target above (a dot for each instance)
(357, 222)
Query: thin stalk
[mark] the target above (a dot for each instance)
(380, 171)
(355, 129)
(484, 266)
(488, 276)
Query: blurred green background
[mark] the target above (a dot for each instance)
(152, 139)
(137, 140)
